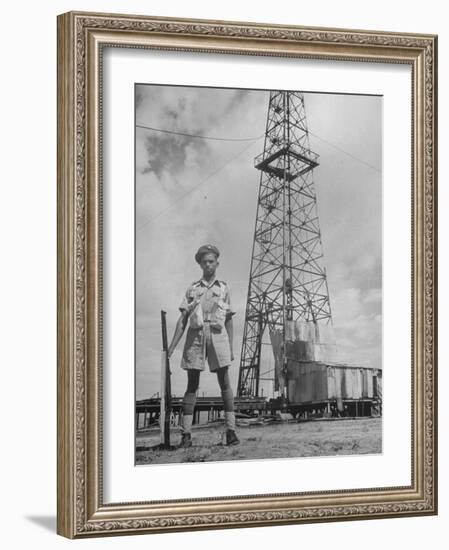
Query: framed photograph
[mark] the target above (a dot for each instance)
(247, 274)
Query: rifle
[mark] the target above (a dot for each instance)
(166, 405)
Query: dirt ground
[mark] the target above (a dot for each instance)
(275, 440)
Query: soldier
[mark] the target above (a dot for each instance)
(206, 307)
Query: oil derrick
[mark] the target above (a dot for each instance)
(287, 282)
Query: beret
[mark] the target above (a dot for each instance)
(204, 250)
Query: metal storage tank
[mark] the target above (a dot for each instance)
(318, 383)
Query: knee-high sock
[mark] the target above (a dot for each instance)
(188, 406)
(228, 401)
(230, 420)
(187, 423)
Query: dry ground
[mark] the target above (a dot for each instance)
(275, 440)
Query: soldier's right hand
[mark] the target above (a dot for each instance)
(191, 307)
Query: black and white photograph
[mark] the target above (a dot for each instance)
(223, 316)
(258, 274)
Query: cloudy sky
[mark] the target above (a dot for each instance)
(191, 191)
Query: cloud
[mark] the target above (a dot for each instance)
(358, 325)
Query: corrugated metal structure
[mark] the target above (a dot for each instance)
(334, 387)
(316, 381)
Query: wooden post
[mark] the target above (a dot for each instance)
(165, 386)
(162, 399)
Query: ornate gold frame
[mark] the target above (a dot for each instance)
(81, 37)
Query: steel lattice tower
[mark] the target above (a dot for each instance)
(287, 277)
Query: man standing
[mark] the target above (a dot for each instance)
(206, 307)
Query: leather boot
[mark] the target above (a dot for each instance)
(186, 440)
(231, 438)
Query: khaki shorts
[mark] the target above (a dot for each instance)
(206, 343)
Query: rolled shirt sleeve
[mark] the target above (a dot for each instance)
(184, 305)
(231, 311)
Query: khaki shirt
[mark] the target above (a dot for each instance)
(210, 304)
(207, 302)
